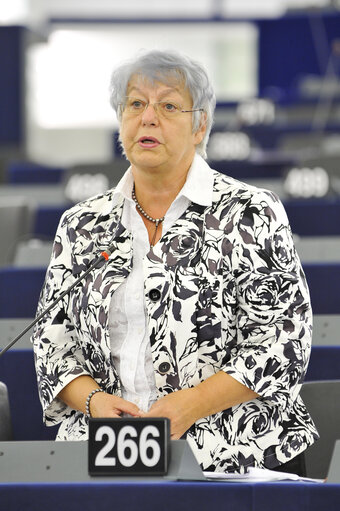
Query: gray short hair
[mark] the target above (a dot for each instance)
(167, 66)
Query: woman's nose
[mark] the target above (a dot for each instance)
(150, 115)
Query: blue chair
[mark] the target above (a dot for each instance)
(324, 363)
(324, 285)
(24, 172)
(25, 407)
(19, 291)
(46, 221)
(314, 217)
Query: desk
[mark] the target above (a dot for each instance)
(172, 496)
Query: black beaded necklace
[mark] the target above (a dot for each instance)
(156, 221)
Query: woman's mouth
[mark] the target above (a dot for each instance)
(148, 142)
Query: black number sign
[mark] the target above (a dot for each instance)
(129, 446)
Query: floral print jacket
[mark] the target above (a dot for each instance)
(231, 296)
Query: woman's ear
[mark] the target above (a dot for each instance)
(200, 132)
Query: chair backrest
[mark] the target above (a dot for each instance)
(33, 252)
(326, 330)
(10, 328)
(5, 415)
(324, 283)
(322, 399)
(318, 249)
(19, 291)
(315, 217)
(300, 141)
(15, 223)
(34, 194)
(30, 172)
(18, 373)
(324, 364)
(275, 185)
(46, 220)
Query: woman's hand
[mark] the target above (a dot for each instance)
(108, 405)
(184, 407)
(75, 395)
(181, 407)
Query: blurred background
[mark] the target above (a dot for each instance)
(275, 66)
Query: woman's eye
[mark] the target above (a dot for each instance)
(137, 105)
(169, 107)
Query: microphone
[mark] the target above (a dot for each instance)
(104, 256)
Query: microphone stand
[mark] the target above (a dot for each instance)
(104, 256)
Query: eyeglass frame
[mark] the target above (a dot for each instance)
(147, 104)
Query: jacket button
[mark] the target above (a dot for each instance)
(164, 367)
(154, 295)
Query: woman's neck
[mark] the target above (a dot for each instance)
(155, 193)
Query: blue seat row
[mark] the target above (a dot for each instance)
(307, 218)
(20, 288)
(25, 405)
(23, 172)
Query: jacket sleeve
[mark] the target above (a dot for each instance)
(58, 357)
(273, 323)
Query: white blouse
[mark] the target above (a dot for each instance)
(129, 337)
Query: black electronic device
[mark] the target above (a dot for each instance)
(129, 446)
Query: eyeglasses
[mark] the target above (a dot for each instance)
(167, 109)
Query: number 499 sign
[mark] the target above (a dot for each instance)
(134, 446)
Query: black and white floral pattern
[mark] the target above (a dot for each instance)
(233, 298)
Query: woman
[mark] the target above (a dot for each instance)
(202, 312)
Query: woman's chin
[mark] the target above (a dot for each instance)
(147, 160)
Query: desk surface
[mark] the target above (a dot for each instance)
(60, 481)
(172, 496)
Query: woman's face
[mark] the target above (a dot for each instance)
(155, 142)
